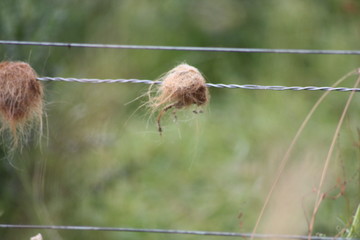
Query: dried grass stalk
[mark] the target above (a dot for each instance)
(21, 98)
(182, 86)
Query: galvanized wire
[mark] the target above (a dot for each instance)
(250, 87)
(94, 80)
(181, 48)
(170, 231)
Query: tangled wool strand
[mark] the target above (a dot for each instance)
(21, 98)
(181, 87)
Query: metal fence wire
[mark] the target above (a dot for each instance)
(230, 86)
(170, 231)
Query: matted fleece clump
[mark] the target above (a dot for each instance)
(181, 87)
(21, 99)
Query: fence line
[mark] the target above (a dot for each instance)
(170, 231)
(247, 86)
(181, 48)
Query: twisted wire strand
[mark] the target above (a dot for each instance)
(170, 231)
(181, 48)
(250, 87)
(94, 80)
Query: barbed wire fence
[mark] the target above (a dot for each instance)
(214, 85)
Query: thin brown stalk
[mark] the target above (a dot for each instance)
(290, 148)
(319, 195)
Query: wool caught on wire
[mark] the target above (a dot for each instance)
(181, 87)
(21, 99)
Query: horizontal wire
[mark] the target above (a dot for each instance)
(251, 87)
(94, 80)
(170, 231)
(181, 48)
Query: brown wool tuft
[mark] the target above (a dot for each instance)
(21, 97)
(182, 86)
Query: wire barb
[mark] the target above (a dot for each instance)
(250, 87)
(181, 48)
(170, 231)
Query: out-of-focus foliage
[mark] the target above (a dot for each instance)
(102, 161)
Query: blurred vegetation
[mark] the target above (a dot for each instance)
(102, 161)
